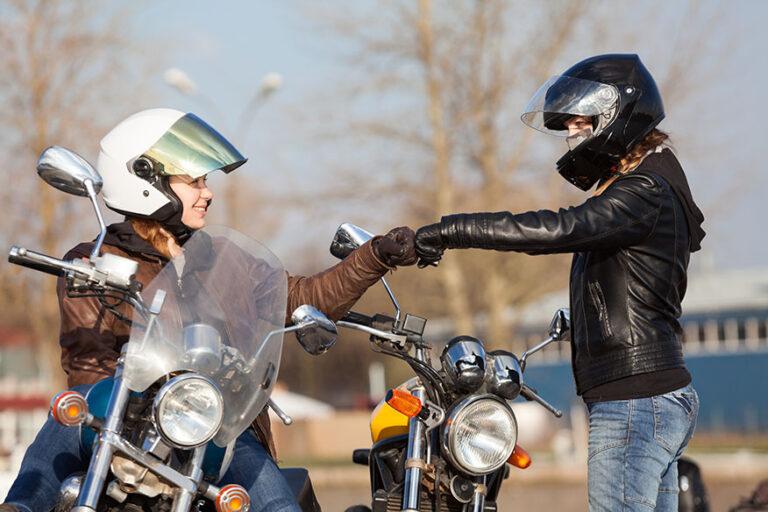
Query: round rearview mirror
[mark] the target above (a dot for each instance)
(315, 332)
(67, 171)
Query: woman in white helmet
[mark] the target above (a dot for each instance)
(154, 166)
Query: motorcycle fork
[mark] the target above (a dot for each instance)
(93, 482)
(478, 499)
(415, 458)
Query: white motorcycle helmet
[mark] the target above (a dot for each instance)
(139, 154)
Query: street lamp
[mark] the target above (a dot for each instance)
(181, 81)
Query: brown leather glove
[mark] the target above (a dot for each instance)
(395, 249)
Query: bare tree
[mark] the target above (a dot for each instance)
(63, 80)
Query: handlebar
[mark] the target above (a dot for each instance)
(111, 270)
(378, 321)
(37, 261)
(379, 326)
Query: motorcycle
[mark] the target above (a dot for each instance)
(200, 365)
(443, 440)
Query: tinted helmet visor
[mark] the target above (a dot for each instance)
(192, 147)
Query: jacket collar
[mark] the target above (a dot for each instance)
(122, 235)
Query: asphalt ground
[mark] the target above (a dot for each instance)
(562, 496)
(563, 487)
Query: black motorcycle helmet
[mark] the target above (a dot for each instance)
(620, 96)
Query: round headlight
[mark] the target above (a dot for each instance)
(188, 410)
(480, 434)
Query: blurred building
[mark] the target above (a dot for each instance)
(725, 325)
(24, 391)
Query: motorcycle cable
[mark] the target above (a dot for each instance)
(433, 384)
(118, 296)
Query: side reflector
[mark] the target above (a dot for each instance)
(233, 498)
(69, 408)
(403, 402)
(519, 458)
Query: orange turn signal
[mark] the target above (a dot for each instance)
(69, 408)
(232, 498)
(519, 458)
(403, 402)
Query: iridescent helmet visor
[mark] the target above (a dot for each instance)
(563, 97)
(193, 148)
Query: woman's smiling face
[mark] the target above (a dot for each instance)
(194, 195)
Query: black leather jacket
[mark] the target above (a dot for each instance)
(628, 274)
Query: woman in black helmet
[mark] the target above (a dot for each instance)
(631, 242)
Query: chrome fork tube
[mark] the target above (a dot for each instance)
(415, 459)
(183, 500)
(93, 483)
(478, 500)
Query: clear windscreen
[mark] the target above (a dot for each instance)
(224, 294)
(563, 97)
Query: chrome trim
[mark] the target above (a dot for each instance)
(416, 450)
(67, 171)
(463, 360)
(171, 475)
(68, 493)
(168, 388)
(93, 483)
(506, 377)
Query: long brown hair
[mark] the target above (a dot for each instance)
(636, 155)
(153, 233)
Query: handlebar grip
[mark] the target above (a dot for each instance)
(383, 322)
(378, 321)
(37, 261)
(357, 318)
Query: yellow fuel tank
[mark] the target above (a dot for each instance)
(387, 422)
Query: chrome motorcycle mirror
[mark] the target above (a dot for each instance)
(349, 237)
(558, 331)
(560, 326)
(313, 330)
(69, 172)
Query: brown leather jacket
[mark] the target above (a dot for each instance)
(91, 336)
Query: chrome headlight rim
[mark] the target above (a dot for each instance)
(167, 391)
(455, 416)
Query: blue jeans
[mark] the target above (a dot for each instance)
(634, 446)
(55, 454)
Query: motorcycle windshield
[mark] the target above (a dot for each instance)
(224, 295)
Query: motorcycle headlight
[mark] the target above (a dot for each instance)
(480, 434)
(188, 410)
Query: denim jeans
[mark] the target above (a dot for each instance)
(634, 446)
(55, 454)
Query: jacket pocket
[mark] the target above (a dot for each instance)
(598, 301)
